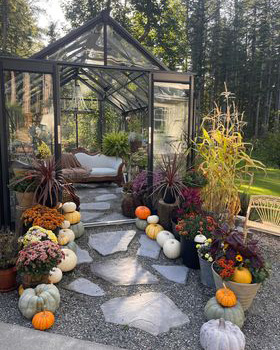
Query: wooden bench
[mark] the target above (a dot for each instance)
(268, 210)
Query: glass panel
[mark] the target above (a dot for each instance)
(171, 110)
(29, 110)
(121, 52)
(88, 48)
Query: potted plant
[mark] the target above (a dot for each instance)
(191, 203)
(37, 234)
(48, 183)
(129, 201)
(36, 260)
(24, 188)
(9, 248)
(169, 189)
(205, 263)
(116, 144)
(240, 265)
(194, 228)
(43, 216)
(135, 141)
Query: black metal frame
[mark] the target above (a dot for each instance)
(63, 72)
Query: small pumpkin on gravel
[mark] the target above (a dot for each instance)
(43, 297)
(152, 230)
(141, 224)
(78, 229)
(226, 297)
(55, 275)
(43, 320)
(69, 261)
(65, 236)
(142, 212)
(153, 219)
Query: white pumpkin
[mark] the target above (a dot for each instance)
(69, 207)
(55, 275)
(162, 236)
(65, 224)
(65, 236)
(172, 248)
(69, 262)
(221, 335)
(200, 238)
(153, 219)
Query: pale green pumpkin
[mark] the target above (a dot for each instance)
(234, 314)
(78, 229)
(43, 297)
(71, 245)
(141, 224)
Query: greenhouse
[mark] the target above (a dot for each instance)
(94, 81)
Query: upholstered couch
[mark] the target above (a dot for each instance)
(85, 167)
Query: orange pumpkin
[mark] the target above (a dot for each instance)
(73, 218)
(43, 320)
(142, 212)
(226, 297)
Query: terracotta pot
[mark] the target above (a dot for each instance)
(189, 253)
(8, 279)
(31, 281)
(206, 275)
(25, 199)
(245, 292)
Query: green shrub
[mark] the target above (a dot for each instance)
(116, 145)
(267, 149)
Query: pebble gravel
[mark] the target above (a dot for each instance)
(80, 316)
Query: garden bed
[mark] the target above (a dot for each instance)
(80, 316)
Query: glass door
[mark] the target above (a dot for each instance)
(171, 115)
(29, 125)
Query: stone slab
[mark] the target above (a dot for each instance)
(84, 286)
(95, 206)
(174, 273)
(152, 312)
(149, 248)
(125, 272)
(113, 216)
(83, 256)
(106, 197)
(14, 337)
(111, 242)
(88, 216)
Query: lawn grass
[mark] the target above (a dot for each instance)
(265, 183)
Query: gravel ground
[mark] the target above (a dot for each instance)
(80, 316)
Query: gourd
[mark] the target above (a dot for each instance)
(242, 275)
(20, 290)
(172, 248)
(234, 314)
(221, 335)
(142, 212)
(69, 207)
(43, 297)
(69, 261)
(152, 230)
(141, 224)
(65, 236)
(153, 219)
(78, 229)
(226, 297)
(43, 320)
(55, 275)
(72, 246)
(65, 224)
(73, 217)
(200, 238)
(162, 236)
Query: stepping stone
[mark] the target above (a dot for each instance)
(111, 242)
(113, 216)
(106, 197)
(95, 206)
(149, 247)
(103, 190)
(84, 286)
(88, 216)
(124, 272)
(173, 273)
(83, 256)
(152, 312)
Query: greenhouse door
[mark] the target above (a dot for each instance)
(171, 114)
(29, 117)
